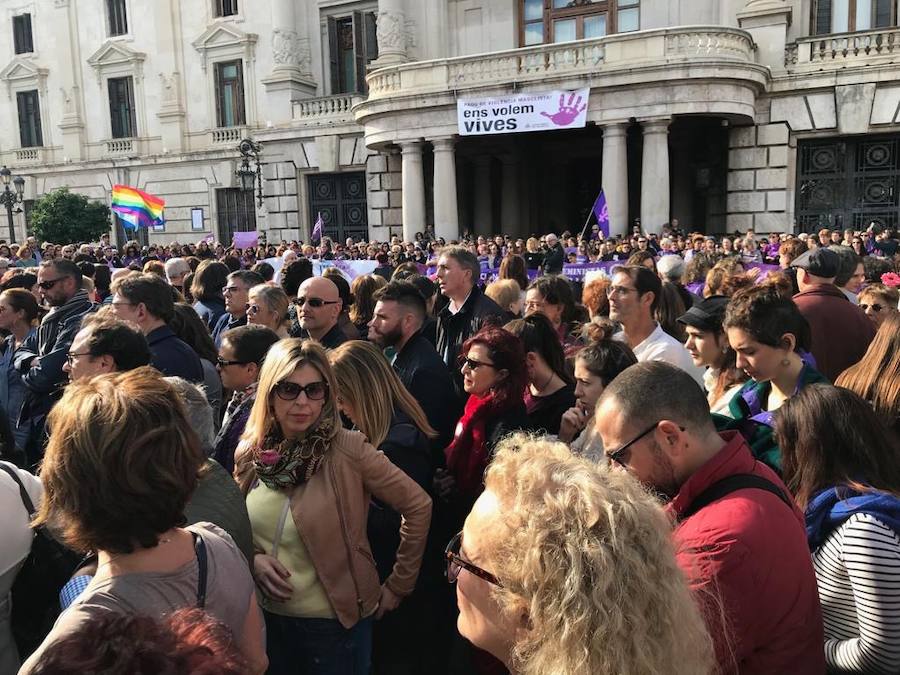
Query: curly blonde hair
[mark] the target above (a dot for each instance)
(587, 555)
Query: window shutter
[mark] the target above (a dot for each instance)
(359, 51)
(240, 116)
(113, 108)
(823, 17)
(36, 111)
(23, 119)
(129, 102)
(220, 94)
(333, 56)
(26, 29)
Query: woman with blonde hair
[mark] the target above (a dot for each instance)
(508, 295)
(374, 399)
(268, 306)
(308, 484)
(876, 378)
(566, 569)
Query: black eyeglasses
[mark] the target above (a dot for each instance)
(289, 391)
(875, 307)
(251, 309)
(313, 302)
(455, 563)
(50, 283)
(472, 364)
(617, 455)
(71, 356)
(222, 363)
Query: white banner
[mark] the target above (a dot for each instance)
(350, 269)
(516, 113)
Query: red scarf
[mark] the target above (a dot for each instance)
(467, 454)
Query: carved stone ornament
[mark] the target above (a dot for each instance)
(68, 99)
(288, 49)
(169, 87)
(391, 31)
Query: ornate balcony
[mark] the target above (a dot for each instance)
(29, 155)
(120, 146)
(326, 110)
(580, 59)
(832, 52)
(228, 135)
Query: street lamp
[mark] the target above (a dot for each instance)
(10, 198)
(247, 175)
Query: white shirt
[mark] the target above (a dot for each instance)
(16, 534)
(660, 346)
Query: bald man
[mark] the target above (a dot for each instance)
(318, 307)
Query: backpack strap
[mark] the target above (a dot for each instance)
(26, 499)
(200, 550)
(729, 484)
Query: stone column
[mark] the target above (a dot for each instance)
(391, 33)
(655, 175)
(484, 209)
(615, 177)
(446, 209)
(291, 76)
(509, 197)
(413, 179)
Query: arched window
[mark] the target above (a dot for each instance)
(846, 16)
(547, 21)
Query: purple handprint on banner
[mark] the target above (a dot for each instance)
(567, 111)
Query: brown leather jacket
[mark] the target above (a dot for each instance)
(330, 515)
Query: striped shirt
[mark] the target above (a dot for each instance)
(858, 573)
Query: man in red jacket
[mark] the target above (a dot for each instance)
(739, 538)
(840, 331)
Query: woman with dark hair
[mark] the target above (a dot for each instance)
(553, 297)
(102, 281)
(840, 462)
(876, 378)
(550, 391)
(494, 377)
(132, 254)
(206, 289)
(596, 366)
(19, 314)
(708, 346)
(771, 340)
(363, 308)
(191, 329)
(203, 251)
(514, 267)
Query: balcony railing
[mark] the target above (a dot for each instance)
(557, 61)
(120, 146)
(227, 135)
(29, 155)
(327, 109)
(822, 51)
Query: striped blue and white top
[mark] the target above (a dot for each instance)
(858, 572)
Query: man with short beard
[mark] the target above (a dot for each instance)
(396, 324)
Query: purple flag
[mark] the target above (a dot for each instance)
(317, 229)
(601, 211)
(244, 240)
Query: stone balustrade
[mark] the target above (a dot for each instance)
(227, 135)
(565, 60)
(120, 146)
(29, 155)
(840, 51)
(326, 110)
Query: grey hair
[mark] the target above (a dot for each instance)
(671, 267)
(198, 409)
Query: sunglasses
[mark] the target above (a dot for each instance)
(50, 283)
(875, 307)
(222, 363)
(313, 302)
(289, 391)
(618, 456)
(472, 364)
(455, 563)
(252, 310)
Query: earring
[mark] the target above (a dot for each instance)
(785, 362)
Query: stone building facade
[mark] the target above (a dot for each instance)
(725, 114)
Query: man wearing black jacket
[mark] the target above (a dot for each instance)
(468, 310)
(397, 322)
(555, 255)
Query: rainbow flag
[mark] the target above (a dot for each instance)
(137, 208)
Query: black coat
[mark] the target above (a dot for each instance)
(454, 329)
(554, 259)
(172, 356)
(425, 376)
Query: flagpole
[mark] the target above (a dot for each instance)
(587, 220)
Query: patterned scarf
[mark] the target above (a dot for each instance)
(283, 463)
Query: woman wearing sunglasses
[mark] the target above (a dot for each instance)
(308, 484)
(879, 302)
(268, 306)
(561, 568)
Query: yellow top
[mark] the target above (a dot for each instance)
(274, 531)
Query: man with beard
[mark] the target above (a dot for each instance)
(397, 324)
(739, 538)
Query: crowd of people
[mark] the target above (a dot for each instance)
(683, 464)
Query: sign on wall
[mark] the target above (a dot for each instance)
(517, 113)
